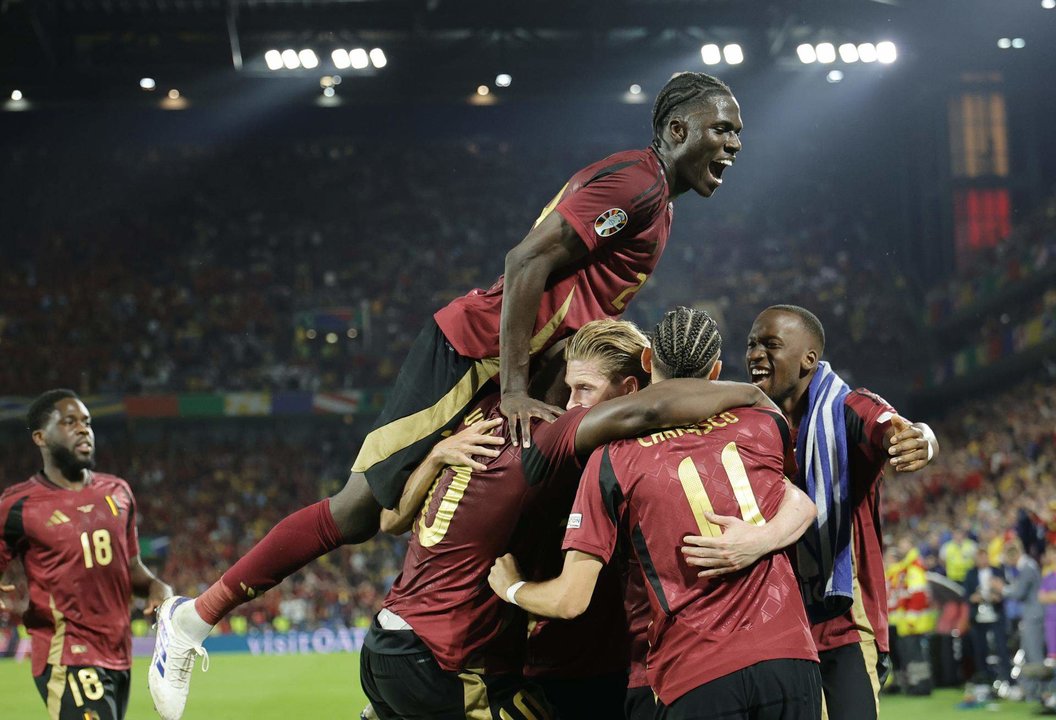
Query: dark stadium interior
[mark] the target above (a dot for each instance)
(254, 236)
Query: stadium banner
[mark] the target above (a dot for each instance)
(201, 405)
(247, 403)
(321, 641)
(151, 406)
(292, 403)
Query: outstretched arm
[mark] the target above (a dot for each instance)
(147, 584)
(911, 447)
(671, 403)
(741, 543)
(551, 245)
(567, 596)
(459, 449)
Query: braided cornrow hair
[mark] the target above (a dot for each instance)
(686, 343)
(680, 89)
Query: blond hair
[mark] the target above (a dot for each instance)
(615, 345)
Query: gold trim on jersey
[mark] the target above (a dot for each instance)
(872, 657)
(389, 439)
(58, 639)
(113, 506)
(56, 689)
(431, 534)
(547, 331)
(858, 613)
(475, 696)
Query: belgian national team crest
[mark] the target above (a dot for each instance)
(610, 222)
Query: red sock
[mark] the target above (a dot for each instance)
(297, 540)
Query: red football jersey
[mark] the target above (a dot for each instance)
(75, 547)
(620, 208)
(867, 418)
(469, 519)
(702, 629)
(639, 615)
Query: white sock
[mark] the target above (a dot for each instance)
(191, 622)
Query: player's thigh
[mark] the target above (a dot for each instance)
(851, 681)
(784, 689)
(84, 692)
(410, 687)
(640, 704)
(724, 698)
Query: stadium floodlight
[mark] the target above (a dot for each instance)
(174, 94)
(635, 89)
(377, 56)
(886, 52)
(16, 95)
(826, 53)
(328, 92)
(1048, 4)
(340, 58)
(733, 54)
(503, 80)
(849, 53)
(147, 83)
(834, 76)
(1019, 43)
(710, 54)
(290, 60)
(1004, 43)
(274, 59)
(308, 58)
(867, 53)
(806, 53)
(483, 90)
(358, 59)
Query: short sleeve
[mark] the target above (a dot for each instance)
(553, 447)
(594, 520)
(615, 203)
(868, 418)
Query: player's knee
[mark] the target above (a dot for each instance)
(356, 512)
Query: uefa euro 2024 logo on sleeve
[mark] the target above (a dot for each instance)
(610, 222)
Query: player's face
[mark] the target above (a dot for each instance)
(711, 145)
(69, 436)
(589, 386)
(777, 350)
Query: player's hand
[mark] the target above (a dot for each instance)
(476, 440)
(740, 545)
(5, 588)
(908, 446)
(504, 573)
(519, 409)
(156, 595)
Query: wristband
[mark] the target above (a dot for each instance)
(931, 451)
(511, 592)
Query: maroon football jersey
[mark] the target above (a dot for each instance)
(469, 519)
(701, 629)
(620, 209)
(867, 418)
(75, 547)
(638, 613)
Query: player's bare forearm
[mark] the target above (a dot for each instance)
(147, 585)
(567, 596)
(910, 446)
(742, 544)
(672, 403)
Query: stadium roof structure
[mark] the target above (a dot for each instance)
(70, 50)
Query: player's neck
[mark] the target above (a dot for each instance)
(667, 165)
(57, 477)
(795, 405)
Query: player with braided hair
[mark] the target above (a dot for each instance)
(735, 647)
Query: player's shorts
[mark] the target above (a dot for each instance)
(769, 690)
(84, 692)
(852, 676)
(403, 681)
(640, 704)
(598, 697)
(434, 388)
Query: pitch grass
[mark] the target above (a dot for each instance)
(242, 687)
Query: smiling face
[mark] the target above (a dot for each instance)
(703, 142)
(781, 356)
(68, 438)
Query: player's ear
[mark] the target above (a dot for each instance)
(716, 370)
(38, 438)
(678, 130)
(810, 360)
(628, 385)
(647, 360)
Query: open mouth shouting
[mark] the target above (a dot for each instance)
(717, 167)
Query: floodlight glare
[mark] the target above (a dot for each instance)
(308, 58)
(290, 59)
(849, 53)
(635, 89)
(274, 59)
(328, 92)
(826, 53)
(1048, 4)
(834, 76)
(1019, 43)
(174, 94)
(147, 83)
(16, 95)
(867, 52)
(377, 56)
(483, 90)
(806, 54)
(503, 80)
(358, 58)
(710, 54)
(886, 52)
(340, 58)
(733, 54)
